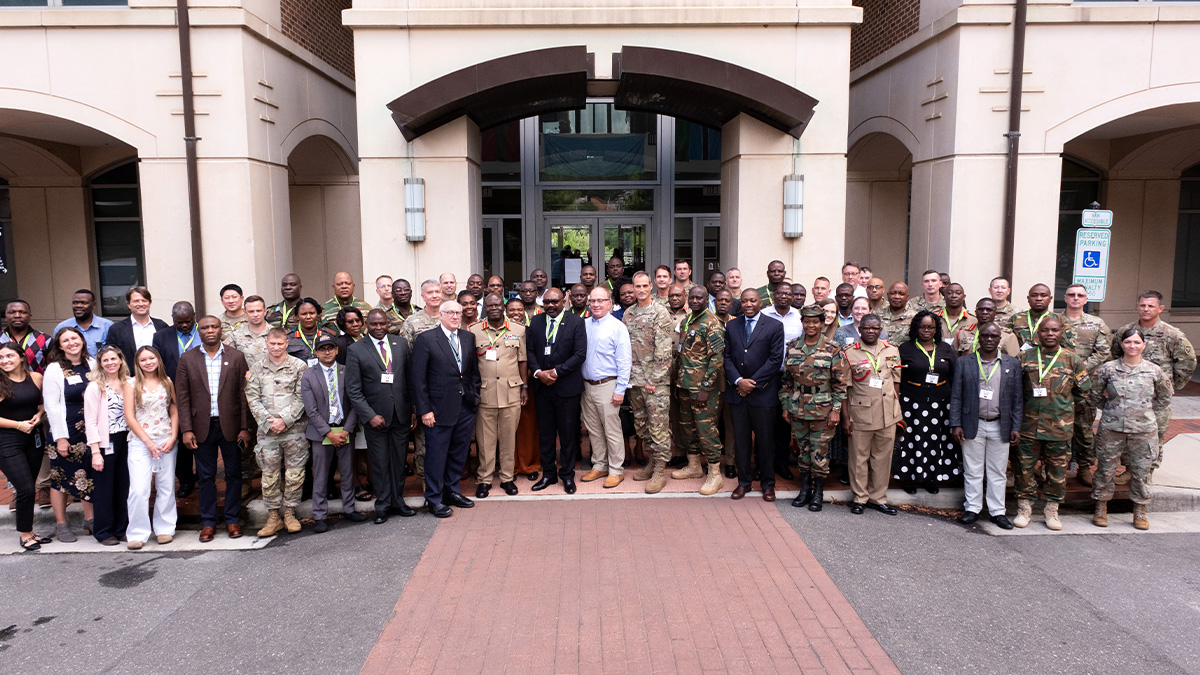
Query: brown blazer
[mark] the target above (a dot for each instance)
(192, 395)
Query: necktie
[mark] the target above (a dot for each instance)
(383, 354)
(749, 328)
(331, 385)
(454, 348)
(550, 331)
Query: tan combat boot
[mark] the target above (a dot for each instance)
(1051, 513)
(1085, 475)
(645, 472)
(1024, 513)
(273, 526)
(289, 519)
(1100, 517)
(658, 478)
(1139, 517)
(692, 470)
(714, 482)
(1123, 478)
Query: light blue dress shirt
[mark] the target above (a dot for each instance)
(608, 351)
(94, 336)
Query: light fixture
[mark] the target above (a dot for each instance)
(793, 205)
(414, 208)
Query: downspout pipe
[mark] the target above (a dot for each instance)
(189, 141)
(1014, 137)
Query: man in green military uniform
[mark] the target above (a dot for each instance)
(955, 316)
(427, 319)
(1025, 324)
(283, 313)
(897, 317)
(814, 385)
(699, 382)
(678, 309)
(343, 296)
(650, 331)
(966, 338)
(998, 290)
(931, 294)
(776, 273)
(1091, 345)
(273, 392)
(401, 306)
(1166, 346)
(1054, 382)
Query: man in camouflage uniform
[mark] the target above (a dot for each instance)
(1166, 346)
(776, 272)
(683, 276)
(1054, 382)
(897, 316)
(814, 385)
(931, 294)
(1131, 397)
(998, 290)
(1091, 345)
(955, 316)
(426, 319)
(273, 392)
(677, 308)
(343, 296)
(699, 382)
(251, 337)
(966, 339)
(527, 292)
(401, 306)
(283, 313)
(650, 330)
(1025, 324)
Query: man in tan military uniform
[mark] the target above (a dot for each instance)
(1091, 345)
(251, 337)
(869, 415)
(897, 316)
(500, 346)
(650, 332)
(966, 338)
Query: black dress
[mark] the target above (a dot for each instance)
(73, 474)
(926, 452)
(21, 453)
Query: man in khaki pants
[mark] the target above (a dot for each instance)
(605, 379)
(503, 389)
(869, 415)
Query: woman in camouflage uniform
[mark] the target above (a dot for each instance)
(1129, 391)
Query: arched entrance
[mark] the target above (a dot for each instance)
(323, 197)
(878, 199)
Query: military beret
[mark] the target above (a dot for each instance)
(811, 310)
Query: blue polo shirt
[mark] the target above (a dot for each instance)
(94, 336)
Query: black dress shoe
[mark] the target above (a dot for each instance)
(380, 517)
(321, 526)
(544, 483)
(356, 516)
(456, 499)
(885, 509)
(783, 472)
(968, 517)
(730, 472)
(408, 470)
(481, 490)
(403, 510)
(439, 510)
(932, 489)
(184, 490)
(533, 476)
(1002, 522)
(818, 495)
(910, 489)
(510, 488)
(569, 486)
(856, 508)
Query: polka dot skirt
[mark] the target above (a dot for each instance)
(925, 451)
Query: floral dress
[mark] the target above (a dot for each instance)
(154, 414)
(73, 474)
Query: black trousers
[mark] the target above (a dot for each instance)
(755, 425)
(387, 450)
(206, 470)
(558, 419)
(20, 463)
(110, 491)
(446, 450)
(183, 463)
(783, 441)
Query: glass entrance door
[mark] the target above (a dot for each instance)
(576, 241)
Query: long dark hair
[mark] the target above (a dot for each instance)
(56, 354)
(5, 383)
(916, 323)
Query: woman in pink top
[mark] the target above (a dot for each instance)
(104, 421)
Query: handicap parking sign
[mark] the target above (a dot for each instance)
(1091, 261)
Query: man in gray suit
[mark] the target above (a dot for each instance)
(377, 380)
(331, 419)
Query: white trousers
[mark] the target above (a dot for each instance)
(988, 450)
(143, 470)
(603, 421)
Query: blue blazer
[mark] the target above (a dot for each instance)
(760, 358)
(437, 384)
(964, 395)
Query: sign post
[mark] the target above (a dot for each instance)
(1091, 261)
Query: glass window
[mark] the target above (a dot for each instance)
(1186, 287)
(698, 199)
(501, 155)
(1079, 188)
(697, 151)
(598, 143)
(597, 200)
(501, 201)
(117, 220)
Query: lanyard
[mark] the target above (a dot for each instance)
(690, 320)
(499, 336)
(385, 354)
(551, 333)
(1042, 371)
(874, 360)
(285, 312)
(308, 344)
(927, 354)
(994, 366)
(24, 342)
(1033, 327)
(183, 347)
(954, 326)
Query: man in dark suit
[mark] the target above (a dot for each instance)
(556, 345)
(210, 390)
(753, 359)
(377, 380)
(138, 329)
(331, 421)
(170, 342)
(445, 373)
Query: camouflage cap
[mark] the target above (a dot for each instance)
(812, 310)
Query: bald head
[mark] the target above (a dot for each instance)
(343, 286)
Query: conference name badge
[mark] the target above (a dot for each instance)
(75, 379)
(876, 382)
(1039, 392)
(387, 378)
(986, 394)
(490, 355)
(932, 378)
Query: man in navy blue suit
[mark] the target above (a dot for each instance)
(556, 347)
(753, 359)
(445, 375)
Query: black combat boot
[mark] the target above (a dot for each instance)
(805, 490)
(818, 494)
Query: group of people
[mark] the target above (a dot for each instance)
(887, 386)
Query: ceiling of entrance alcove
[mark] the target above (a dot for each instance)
(1147, 122)
(54, 129)
(878, 152)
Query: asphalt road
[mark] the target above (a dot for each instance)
(944, 598)
(304, 604)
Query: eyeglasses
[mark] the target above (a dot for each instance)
(1076, 295)
(451, 312)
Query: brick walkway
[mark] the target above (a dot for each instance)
(623, 586)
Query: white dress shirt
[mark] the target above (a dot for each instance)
(793, 327)
(608, 351)
(143, 335)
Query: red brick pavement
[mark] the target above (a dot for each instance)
(623, 586)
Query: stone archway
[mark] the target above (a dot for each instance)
(326, 235)
(878, 189)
